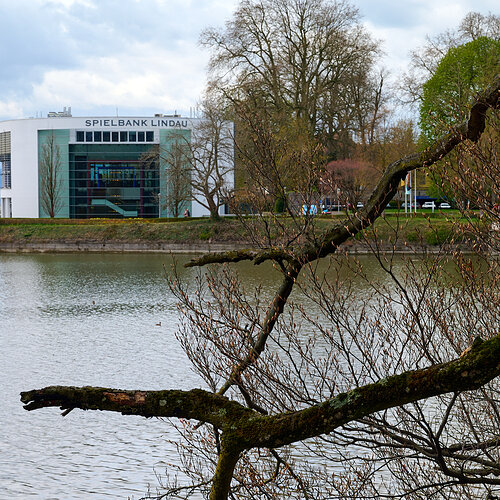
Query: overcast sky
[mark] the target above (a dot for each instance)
(139, 57)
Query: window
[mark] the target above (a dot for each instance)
(115, 175)
(5, 177)
(6, 207)
(114, 136)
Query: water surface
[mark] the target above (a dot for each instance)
(89, 320)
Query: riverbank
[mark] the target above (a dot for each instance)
(204, 235)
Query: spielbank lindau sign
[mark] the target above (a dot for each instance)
(136, 122)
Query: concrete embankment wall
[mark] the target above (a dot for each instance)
(157, 247)
(117, 247)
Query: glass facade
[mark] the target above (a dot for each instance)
(108, 180)
(93, 167)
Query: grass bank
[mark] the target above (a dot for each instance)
(429, 229)
(119, 230)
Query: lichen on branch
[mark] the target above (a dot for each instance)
(249, 429)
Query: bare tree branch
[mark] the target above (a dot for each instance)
(251, 429)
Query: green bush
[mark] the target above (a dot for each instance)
(412, 236)
(437, 236)
(279, 205)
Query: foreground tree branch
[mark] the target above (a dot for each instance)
(194, 404)
(244, 429)
(470, 371)
(328, 243)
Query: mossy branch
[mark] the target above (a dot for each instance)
(245, 429)
(222, 257)
(479, 365)
(194, 404)
(233, 256)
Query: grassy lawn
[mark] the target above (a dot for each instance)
(427, 227)
(120, 230)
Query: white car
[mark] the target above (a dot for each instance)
(444, 205)
(429, 204)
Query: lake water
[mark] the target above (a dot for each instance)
(87, 320)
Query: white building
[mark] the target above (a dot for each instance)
(102, 172)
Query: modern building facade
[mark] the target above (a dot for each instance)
(105, 166)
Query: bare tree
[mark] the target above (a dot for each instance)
(311, 60)
(176, 191)
(50, 177)
(377, 384)
(349, 181)
(199, 166)
(211, 156)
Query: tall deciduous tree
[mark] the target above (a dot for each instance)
(260, 399)
(426, 59)
(310, 60)
(50, 176)
(460, 75)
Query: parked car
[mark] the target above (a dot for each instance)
(412, 205)
(333, 208)
(429, 204)
(444, 205)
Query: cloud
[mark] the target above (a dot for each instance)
(96, 55)
(141, 78)
(131, 53)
